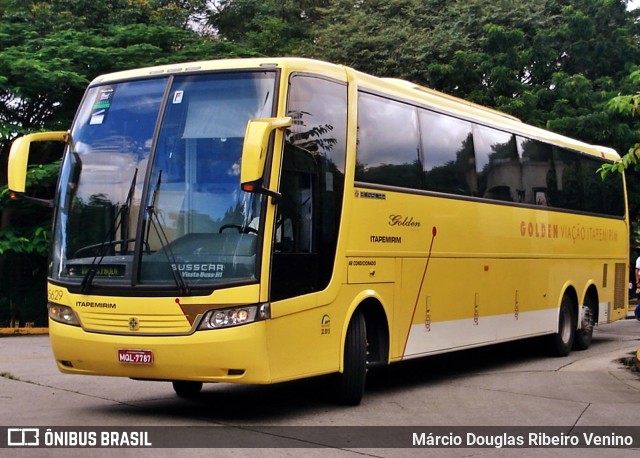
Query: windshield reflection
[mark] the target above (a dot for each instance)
(165, 211)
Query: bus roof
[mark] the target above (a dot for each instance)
(394, 87)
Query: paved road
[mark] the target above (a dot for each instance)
(503, 386)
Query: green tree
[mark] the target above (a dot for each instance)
(520, 57)
(552, 63)
(49, 51)
(24, 248)
(626, 110)
(393, 38)
(629, 107)
(270, 27)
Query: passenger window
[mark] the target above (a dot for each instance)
(388, 143)
(537, 172)
(497, 164)
(447, 143)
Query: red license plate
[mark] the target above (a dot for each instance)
(135, 356)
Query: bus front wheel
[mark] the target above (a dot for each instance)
(562, 341)
(351, 381)
(186, 389)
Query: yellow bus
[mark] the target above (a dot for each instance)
(264, 220)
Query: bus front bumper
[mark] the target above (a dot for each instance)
(234, 355)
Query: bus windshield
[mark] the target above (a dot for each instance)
(149, 189)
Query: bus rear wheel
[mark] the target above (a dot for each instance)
(351, 381)
(562, 341)
(584, 335)
(186, 389)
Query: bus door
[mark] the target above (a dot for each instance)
(311, 187)
(295, 257)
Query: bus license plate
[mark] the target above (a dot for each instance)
(135, 356)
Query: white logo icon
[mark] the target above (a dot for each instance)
(23, 437)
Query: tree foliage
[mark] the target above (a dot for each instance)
(552, 63)
(270, 27)
(31, 223)
(49, 51)
(629, 107)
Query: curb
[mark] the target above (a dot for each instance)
(23, 331)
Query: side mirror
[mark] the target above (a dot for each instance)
(254, 151)
(19, 157)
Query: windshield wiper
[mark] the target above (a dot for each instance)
(154, 220)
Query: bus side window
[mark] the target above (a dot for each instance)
(538, 180)
(497, 164)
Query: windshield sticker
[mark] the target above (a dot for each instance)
(177, 97)
(101, 105)
(97, 117)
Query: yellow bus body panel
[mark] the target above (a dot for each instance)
(448, 272)
(481, 273)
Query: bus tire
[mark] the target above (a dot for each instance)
(351, 381)
(186, 389)
(583, 336)
(562, 341)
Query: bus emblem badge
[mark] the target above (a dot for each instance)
(325, 326)
(134, 324)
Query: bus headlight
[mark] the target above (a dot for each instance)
(63, 314)
(234, 316)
